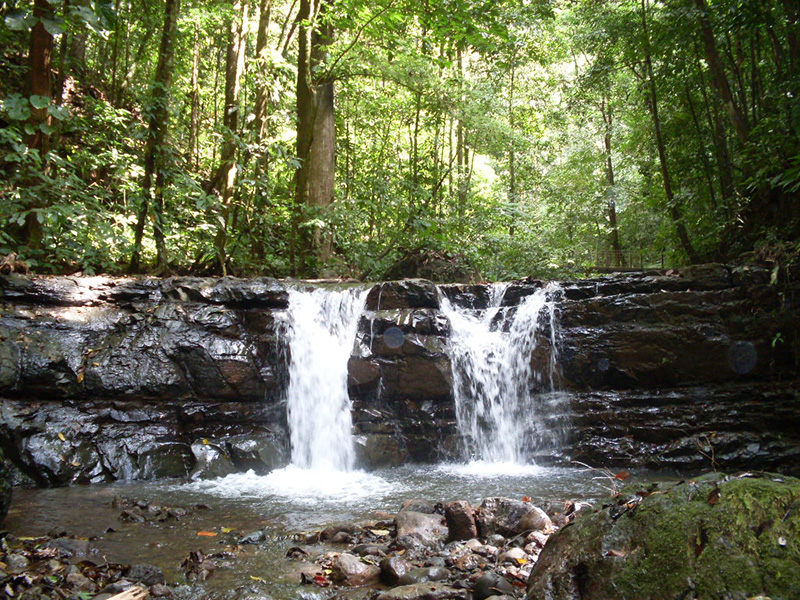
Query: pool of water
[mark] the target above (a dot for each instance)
(283, 503)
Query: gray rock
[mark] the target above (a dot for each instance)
(147, 574)
(428, 528)
(501, 516)
(349, 570)
(423, 591)
(535, 520)
(393, 568)
(422, 574)
(491, 584)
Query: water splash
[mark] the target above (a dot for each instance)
(496, 386)
(322, 330)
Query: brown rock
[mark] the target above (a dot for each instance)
(460, 518)
(350, 571)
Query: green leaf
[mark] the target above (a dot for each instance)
(58, 112)
(40, 102)
(17, 107)
(19, 20)
(47, 129)
(53, 27)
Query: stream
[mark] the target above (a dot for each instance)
(284, 503)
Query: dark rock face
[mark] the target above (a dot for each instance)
(104, 379)
(716, 537)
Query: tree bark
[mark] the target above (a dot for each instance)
(155, 151)
(718, 78)
(611, 204)
(40, 57)
(316, 138)
(228, 171)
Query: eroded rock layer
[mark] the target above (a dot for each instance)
(105, 379)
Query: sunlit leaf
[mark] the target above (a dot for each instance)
(207, 533)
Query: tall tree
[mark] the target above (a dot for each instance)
(316, 136)
(155, 161)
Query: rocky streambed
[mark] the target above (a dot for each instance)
(709, 537)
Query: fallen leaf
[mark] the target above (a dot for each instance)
(622, 475)
(379, 531)
(254, 578)
(227, 529)
(205, 441)
(207, 533)
(79, 377)
(526, 498)
(713, 496)
(617, 553)
(61, 437)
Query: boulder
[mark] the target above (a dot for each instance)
(713, 537)
(393, 568)
(431, 590)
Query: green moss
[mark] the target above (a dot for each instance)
(711, 539)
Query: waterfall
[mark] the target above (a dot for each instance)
(499, 393)
(322, 329)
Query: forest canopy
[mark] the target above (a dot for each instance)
(335, 137)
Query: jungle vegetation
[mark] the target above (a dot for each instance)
(332, 137)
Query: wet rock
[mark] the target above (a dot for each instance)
(376, 450)
(535, 520)
(198, 567)
(211, 460)
(6, 486)
(428, 528)
(16, 563)
(393, 568)
(513, 555)
(255, 537)
(370, 550)
(423, 591)
(460, 519)
(491, 584)
(711, 537)
(501, 516)
(160, 591)
(421, 506)
(260, 452)
(146, 574)
(79, 582)
(408, 293)
(69, 547)
(331, 531)
(422, 574)
(349, 570)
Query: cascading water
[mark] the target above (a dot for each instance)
(322, 330)
(496, 387)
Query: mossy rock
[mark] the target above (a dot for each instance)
(713, 538)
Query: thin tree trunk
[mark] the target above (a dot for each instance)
(512, 166)
(674, 209)
(228, 170)
(194, 95)
(611, 204)
(718, 78)
(155, 159)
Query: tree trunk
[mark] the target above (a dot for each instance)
(674, 209)
(611, 203)
(155, 151)
(316, 139)
(40, 57)
(194, 100)
(718, 78)
(228, 171)
(261, 109)
(512, 166)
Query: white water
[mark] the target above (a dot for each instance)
(322, 329)
(496, 387)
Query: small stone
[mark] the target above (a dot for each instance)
(495, 540)
(341, 537)
(460, 519)
(16, 563)
(80, 582)
(535, 520)
(160, 590)
(349, 570)
(393, 568)
(254, 537)
(513, 555)
(491, 584)
(370, 550)
(423, 574)
(146, 574)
